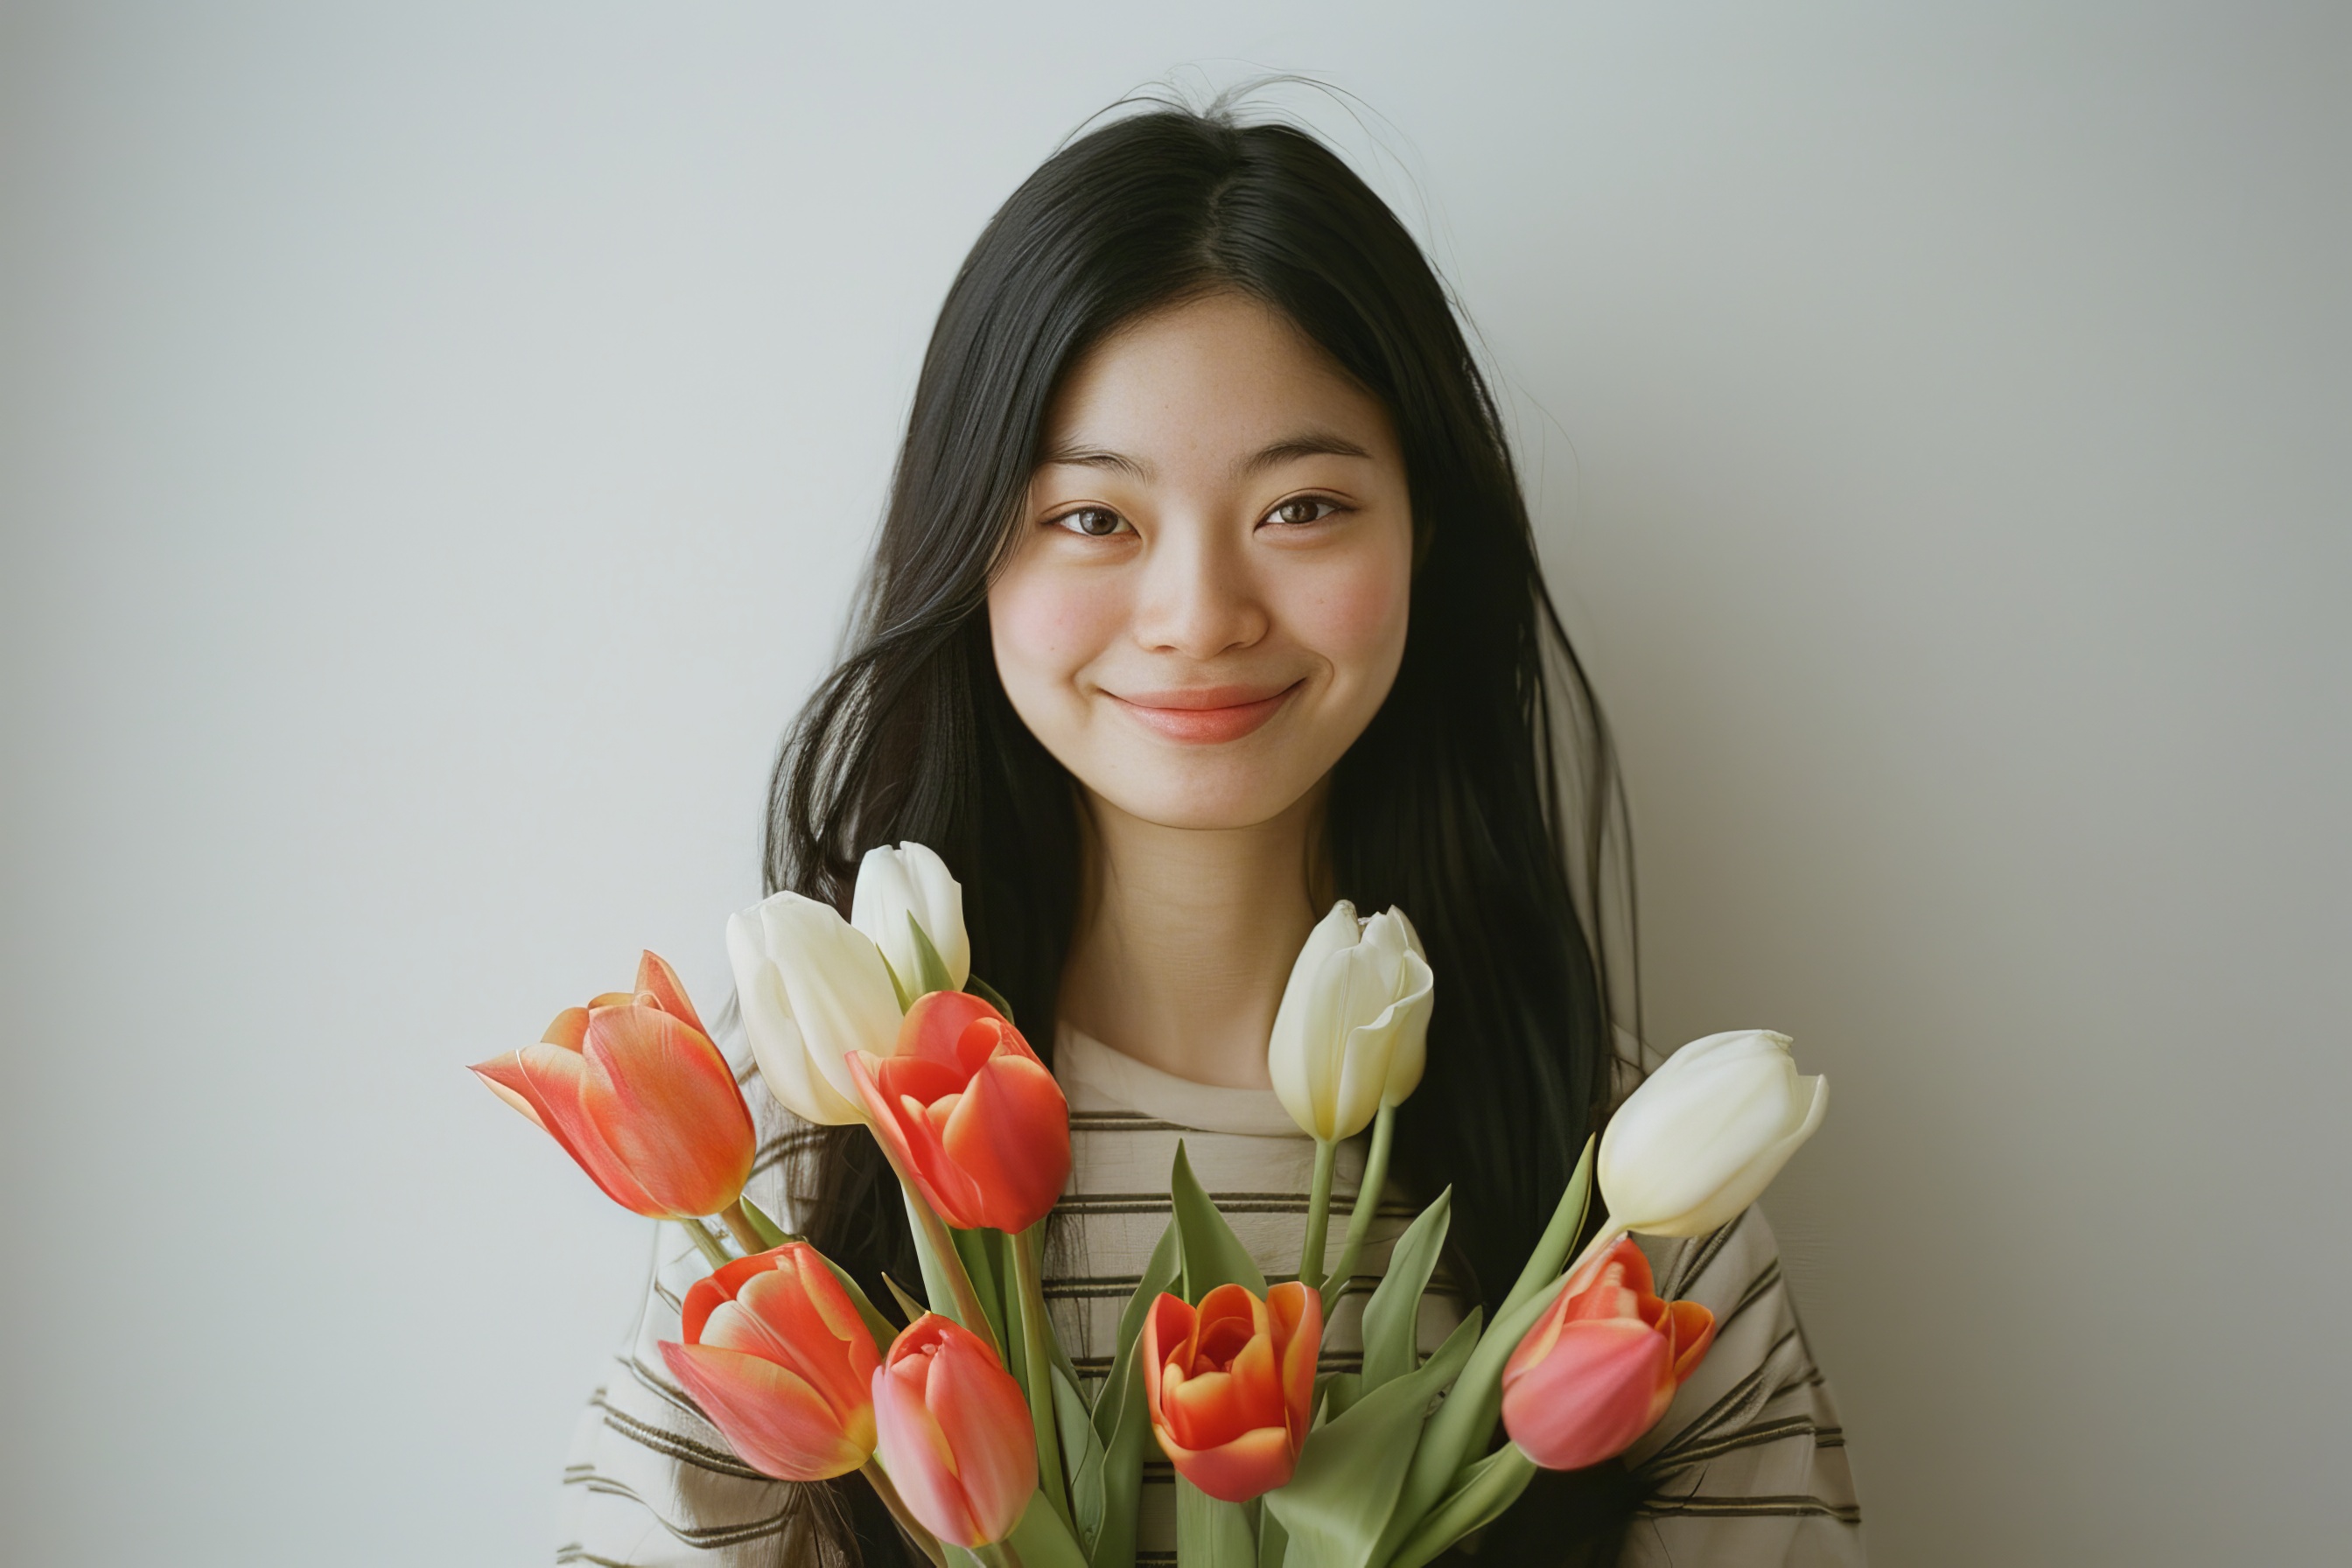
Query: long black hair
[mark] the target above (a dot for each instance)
(1476, 800)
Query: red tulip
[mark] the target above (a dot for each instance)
(1231, 1383)
(955, 1433)
(1600, 1368)
(633, 1090)
(969, 1114)
(778, 1358)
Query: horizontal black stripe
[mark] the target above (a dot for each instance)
(1756, 1437)
(1749, 1508)
(1227, 1203)
(672, 1445)
(704, 1536)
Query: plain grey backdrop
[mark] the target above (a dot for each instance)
(439, 442)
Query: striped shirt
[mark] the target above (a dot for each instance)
(1748, 1466)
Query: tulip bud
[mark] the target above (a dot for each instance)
(812, 988)
(954, 1433)
(1231, 1384)
(778, 1358)
(997, 1155)
(633, 1090)
(1602, 1364)
(912, 881)
(1352, 1032)
(1706, 1133)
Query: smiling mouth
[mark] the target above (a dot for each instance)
(1206, 715)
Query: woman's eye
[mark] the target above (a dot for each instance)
(1092, 521)
(1303, 509)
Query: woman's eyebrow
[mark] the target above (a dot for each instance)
(1080, 456)
(1306, 444)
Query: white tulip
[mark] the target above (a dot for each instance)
(1352, 1032)
(911, 879)
(1704, 1134)
(812, 988)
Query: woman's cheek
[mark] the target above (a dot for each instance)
(1355, 614)
(1047, 627)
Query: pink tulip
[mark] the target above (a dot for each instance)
(1601, 1365)
(1231, 1384)
(635, 1091)
(778, 1358)
(969, 1113)
(955, 1433)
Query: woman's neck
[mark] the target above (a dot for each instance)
(1185, 939)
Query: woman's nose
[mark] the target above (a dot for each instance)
(1197, 597)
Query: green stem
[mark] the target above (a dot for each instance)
(738, 1225)
(998, 1554)
(923, 1538)
(966, 1308)
(1318, 1218)
(1037, 1363)
(713, 1252)
(1368, 1197)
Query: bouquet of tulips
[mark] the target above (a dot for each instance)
(967, 1419)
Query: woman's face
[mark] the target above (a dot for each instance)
(1206, 604)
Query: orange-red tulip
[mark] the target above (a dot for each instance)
(970, 1114)
(955, 1433)
(633, 1090)
(1231, 1384)
(1601, 1365)
(778, 1358)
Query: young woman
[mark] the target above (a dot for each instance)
(1206, 596)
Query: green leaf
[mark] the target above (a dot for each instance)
(1042, 1538)
(991, 995)
(907, 1304)
(1272, 1540)
(1457, 1433)
(1334, 1391)
(1212, 1254)
(1544, 1264)
(772, 1235)
(1213, 1535)
(930, 970)
(1162, 1273)
(1477, 1499)
(906, 1000)
(1083, 1447)
(1123, 1417)
(1393, 1313)
(1352, 1468)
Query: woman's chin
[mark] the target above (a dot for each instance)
(1202, 795)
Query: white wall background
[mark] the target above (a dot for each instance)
(438, 441)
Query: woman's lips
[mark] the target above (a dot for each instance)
(1206, 715)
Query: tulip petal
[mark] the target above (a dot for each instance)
(657, 979)
(1302, 1034)
(773, 1419)
(1591, 1398)
(569, 1030)
(1248, 1465)
(545, 1082)
(665, 1101)
(1011, 1137)
(916, 1453)
(1690, 1330)
(811, 988)
(984, 1416)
